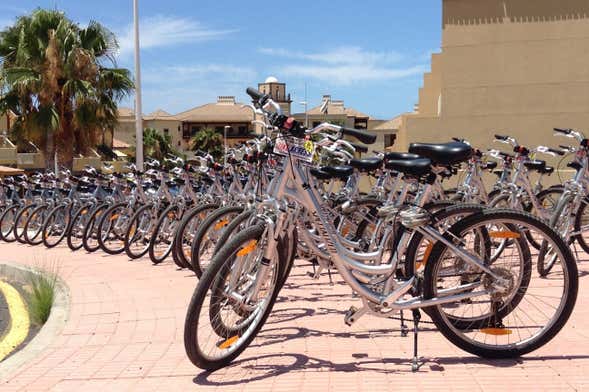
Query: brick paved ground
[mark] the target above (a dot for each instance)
(126, 325)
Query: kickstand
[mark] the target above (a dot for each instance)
(416, 318)
(404, 328)
(576, 250)
(329, 273)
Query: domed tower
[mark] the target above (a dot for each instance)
(277, 91)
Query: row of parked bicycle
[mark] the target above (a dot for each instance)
(493, 269)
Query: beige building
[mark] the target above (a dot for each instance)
(183, 126)
(227, 112)
(336, 112)
(506, 66)
(124, 132)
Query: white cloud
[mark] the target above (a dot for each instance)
(219, 73)
(348, 74)
(161, 31)
(177, 88)
(345, 65)
(339, 55)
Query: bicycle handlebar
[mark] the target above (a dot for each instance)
(363, 136)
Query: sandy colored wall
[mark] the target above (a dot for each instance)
(516, 67)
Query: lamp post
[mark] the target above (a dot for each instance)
(138, 111)
(225, 129)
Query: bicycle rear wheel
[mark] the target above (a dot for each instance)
(21, 220)
(34, 226)
(162, 239)
(56, 225)
(90, 237)
(7, 223)
(512, 315)
(186, 231)
(208, 234)
(112, 228)
(139, 232)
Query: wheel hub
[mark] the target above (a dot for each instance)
(502, 287)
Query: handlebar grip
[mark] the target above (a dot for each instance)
(364, 137)
(500, 137)
(555, 151)
(359, 148)
(255, 94)
(565, 131)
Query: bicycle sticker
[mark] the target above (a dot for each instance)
(300, 149)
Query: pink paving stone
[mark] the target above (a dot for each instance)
(125, 332)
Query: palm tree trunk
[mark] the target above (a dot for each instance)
(49, 150)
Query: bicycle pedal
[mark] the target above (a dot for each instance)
(353, 314)
(316, 274)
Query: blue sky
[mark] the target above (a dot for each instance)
(371, 54)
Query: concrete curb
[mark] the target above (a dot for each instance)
(51, 329)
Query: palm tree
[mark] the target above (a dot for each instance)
(208, 140)
(158, 145)
(54, 78)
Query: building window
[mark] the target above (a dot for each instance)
(243, 130)
(389, 140)
(194, 130)
(360, 124)
(179, 144)
(185, 131)
(166, 131)
(219, 129)
(316, 123)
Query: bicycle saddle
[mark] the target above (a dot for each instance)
(442, 153)
(340, 172)
(400, 156)
(367, 164)
(412, 167)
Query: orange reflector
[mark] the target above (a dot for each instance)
(132, 232)
(248, 248)
(171, 215)
(221, 224)
(202, 215)
(496, 331)
(115, 216)
(84, 212)
(227, 343)
(345, 230)
(428, 251)
(503, 234)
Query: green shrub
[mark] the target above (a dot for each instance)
(41, 296)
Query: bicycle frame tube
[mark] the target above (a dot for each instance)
(304, 191)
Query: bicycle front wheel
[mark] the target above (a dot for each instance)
(232, 300)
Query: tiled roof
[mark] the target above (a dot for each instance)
(338, 108)
(215, 112)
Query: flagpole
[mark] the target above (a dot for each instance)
(138, 112)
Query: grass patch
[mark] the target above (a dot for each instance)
(41, 296)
